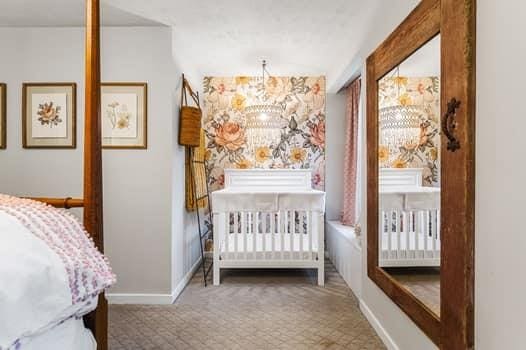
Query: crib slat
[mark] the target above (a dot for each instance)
(263, 233)
(227, 235)
(290, 230)
(423, 229)
(301, 235)
(408, 221)
(434, 234)
(236, 235)
(398, 240)
(254, 235)
(273, 234)
(381, 228)
(426, 234)
(244, 232)
(292, 224)
(389, 233)
(439, 234)
(418, 230)
(309, 233)
(282, 221)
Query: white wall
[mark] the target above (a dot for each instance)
(500, 282)
(500, 241)
(137, 184)
(335, 150)
(393, 325)
(143, 189)
(28, 55)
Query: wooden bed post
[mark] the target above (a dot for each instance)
(97, 321)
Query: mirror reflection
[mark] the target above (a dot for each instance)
(409, 174)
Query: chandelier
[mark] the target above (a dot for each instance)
(399, 125)
(263, 122)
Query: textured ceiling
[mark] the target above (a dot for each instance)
(230, 37)
(61, 13)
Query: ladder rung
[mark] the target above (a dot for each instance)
(202, 197)
(206, 233)
(208, 270)
(198, 161)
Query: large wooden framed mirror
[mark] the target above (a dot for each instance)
(420, 166)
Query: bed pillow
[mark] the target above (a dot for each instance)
(50, 270)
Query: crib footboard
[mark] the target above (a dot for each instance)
(269, 239)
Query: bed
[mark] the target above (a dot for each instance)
(409, 222)
(52, 271)
(268, 219)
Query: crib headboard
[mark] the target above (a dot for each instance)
(268, 179)
(400, 177)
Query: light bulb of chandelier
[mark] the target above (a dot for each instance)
(263, 116)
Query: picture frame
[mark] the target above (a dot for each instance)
(49, 115)
(3, 116)
(124, 114)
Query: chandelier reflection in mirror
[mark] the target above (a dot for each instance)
(399, 126)
(263, 121)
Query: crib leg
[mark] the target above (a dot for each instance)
(219, 225)
(217, 274)
(321, 274)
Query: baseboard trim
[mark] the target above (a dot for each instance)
(153, 299)
(137, 298)
(380, 330)
(184, 282)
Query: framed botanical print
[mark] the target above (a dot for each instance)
(49, 115)
(124, 115)
(3, 116)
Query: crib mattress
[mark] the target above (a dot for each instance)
(267, 246)
(409, 242)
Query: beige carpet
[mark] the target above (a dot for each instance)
(252, 309)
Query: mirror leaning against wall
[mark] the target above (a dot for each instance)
(420, 184)
(409, 174)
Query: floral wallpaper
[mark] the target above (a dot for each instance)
(302, 142)
(425, 92)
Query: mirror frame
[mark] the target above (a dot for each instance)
(455, 21)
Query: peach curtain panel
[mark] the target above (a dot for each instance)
(350, 164)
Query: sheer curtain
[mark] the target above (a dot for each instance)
(350, 165)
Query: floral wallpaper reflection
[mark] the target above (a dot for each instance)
(425, 92)
(302, 142)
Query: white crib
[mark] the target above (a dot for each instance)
(268, 219)
(409, 220)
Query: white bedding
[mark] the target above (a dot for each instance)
(268, 243)
(50, 271)
(69, 335)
